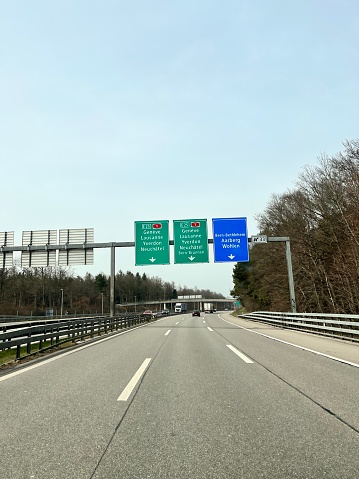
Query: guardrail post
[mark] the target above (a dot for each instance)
(28, 345)
(73, 332)
(92, 328)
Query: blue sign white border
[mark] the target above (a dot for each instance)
(237, 236)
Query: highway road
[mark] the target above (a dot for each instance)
(185, 397)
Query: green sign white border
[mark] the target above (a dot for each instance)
(163, 247)
(192, 236)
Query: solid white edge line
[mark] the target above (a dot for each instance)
(132, 384)
(209, 329)
(295, 345)
(63, 355)
(168, 332)
(239, 354)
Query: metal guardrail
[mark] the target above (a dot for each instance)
(340, 326)
(58, 317)
(18, 334)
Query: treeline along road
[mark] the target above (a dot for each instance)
(185, 397)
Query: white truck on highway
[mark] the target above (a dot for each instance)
(208, 307)
(181, 308)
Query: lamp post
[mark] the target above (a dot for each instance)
(102, 303)
(62, 301)
(135, 302)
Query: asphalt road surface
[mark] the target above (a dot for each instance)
(185, 397)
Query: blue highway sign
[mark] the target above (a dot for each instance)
(230, 240)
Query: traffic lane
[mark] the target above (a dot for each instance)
(331, 384)
(203, 412)
(56, 419)
(181, 320)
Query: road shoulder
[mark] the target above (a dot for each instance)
(336, 348)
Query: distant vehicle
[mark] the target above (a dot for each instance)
(208, 307)
(181, 308)
(196, 312)
(148, 314)
(165, 312)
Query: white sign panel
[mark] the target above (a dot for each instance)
(33, 259)
(6, 258)
(259, 239)
(69, 257)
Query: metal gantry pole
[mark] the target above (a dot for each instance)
(286, 240)
(290, 276)
(112, 281)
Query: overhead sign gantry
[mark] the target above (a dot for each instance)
(152, 246)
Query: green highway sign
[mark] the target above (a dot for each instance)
(152, 242)
(190, 241)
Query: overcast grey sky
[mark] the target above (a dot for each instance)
(113, 112)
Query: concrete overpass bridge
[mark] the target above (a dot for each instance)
(192, 303)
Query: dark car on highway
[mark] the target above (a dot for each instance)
(196, 312)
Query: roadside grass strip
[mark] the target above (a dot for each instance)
(9, 355)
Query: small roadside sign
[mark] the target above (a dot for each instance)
(230, 240)
(259, 239)
(190, 239)
(152, 242)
